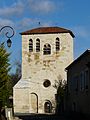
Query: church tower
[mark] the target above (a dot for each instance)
(46, 52)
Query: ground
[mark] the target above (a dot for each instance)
(52, 117)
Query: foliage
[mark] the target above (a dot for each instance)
(4, 76)
(17, 75)
(60, 85)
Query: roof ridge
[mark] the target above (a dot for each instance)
(78, 58)
(47, 30)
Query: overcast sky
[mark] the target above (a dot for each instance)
(26, 14)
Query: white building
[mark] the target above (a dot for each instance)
(46, 52)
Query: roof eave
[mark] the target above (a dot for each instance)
(26, 33)
(75, 61)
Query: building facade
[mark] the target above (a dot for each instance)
(46, 51)
(78, 79)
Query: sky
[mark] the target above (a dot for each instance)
(23, 15)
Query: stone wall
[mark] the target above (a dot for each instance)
(36, 68)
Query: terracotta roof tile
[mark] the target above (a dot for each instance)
(47, 30)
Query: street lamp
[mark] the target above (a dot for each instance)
(9, 42)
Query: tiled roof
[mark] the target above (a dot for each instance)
(47, 30)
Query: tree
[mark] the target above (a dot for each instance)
(60, 85)
(4, 76)
(15, 77)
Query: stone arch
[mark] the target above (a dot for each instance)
(34, 102)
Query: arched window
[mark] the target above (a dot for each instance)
(47, 49)
(57, 44)
(30, 45)
(37, 45)
(48, 107)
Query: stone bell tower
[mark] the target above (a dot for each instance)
(46, 52)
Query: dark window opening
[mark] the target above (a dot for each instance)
(46, 83)
(37, 45)
(47, 107)
(30, 45)
(47, 49)
(57, 44)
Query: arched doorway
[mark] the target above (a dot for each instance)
(34, 102)
(47, 107)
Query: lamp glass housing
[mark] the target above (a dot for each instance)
(9, 42)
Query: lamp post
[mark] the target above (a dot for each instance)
(9, 42)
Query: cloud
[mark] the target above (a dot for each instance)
(28, 10)
(19, 7)
(29, 23)
(15, 9)
(81, 31)
(5, 22)
(41, 6)
(26, 23)
(46, 23)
